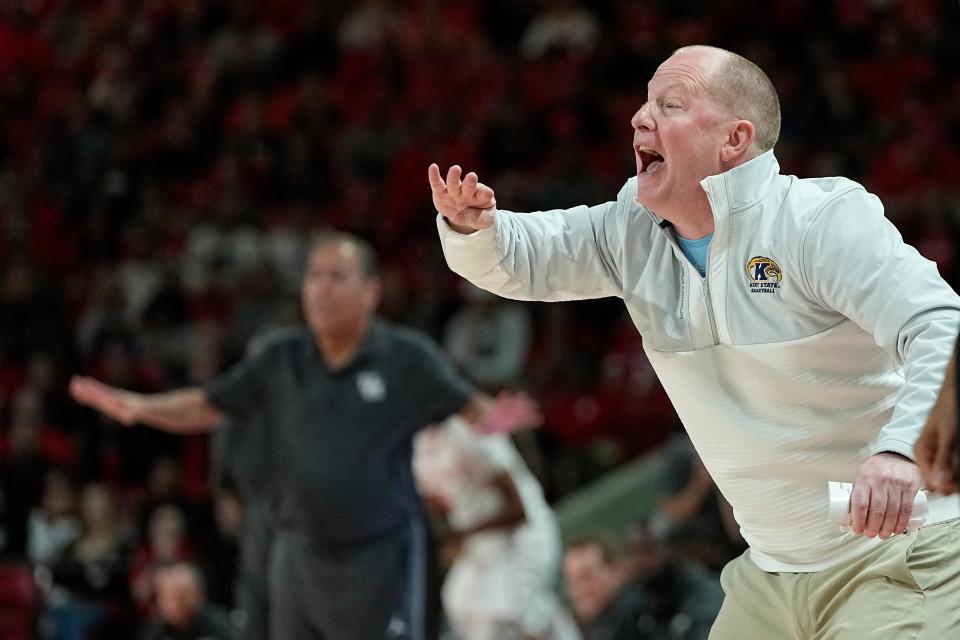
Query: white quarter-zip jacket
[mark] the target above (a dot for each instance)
(816, 339)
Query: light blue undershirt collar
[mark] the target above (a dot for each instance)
(696, 251)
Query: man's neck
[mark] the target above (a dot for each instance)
(692, 231)
(692, 222)
(338, 348)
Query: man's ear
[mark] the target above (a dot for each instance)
(739, 141)
(374, 290)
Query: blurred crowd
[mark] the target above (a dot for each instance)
(164, 163)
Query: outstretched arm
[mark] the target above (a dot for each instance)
(181, 411)
(569, 254)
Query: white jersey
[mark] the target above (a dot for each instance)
(502, 575)
(816, 339)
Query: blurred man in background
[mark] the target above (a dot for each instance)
(343, 399)
(594, 574)
(648, 592)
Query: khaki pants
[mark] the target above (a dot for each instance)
(907, 587)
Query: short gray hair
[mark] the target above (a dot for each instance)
(747, 91)
(742, 87)
(369, 265)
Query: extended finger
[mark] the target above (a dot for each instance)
(905, 511)
(525, 408)
(102, 400)
(101, 397)
(76, 386)
(97, 391)
(876, 511)
(891, 515)
(859, 503)
(530, 410)
(453, 180)
(469, 187)
(483, 196)
(437, 184)
(83, 390)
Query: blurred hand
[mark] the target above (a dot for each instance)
(119, 404)
(467, 205)
(883, 495)
(511, 411)
(935, 447)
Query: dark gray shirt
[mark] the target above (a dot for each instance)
(239, 457)
(341, 440)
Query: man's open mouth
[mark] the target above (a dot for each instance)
(650, 160)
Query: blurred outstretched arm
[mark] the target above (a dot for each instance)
(180, 411)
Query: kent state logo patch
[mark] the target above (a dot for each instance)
(764, 275)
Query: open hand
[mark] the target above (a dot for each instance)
(511, 411)
(467, 204)
(883, 494)
(119, 404)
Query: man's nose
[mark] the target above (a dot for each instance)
(641, 119)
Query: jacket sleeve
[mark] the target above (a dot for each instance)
(855, 262)
(569, 254)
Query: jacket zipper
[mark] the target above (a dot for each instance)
(707, 297)
(709, 303)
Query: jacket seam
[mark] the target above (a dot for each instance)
(604, 253)
(803, 243)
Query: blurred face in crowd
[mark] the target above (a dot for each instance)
(59, 498)
(592, 582)
(165, 478)
(679, 132)
(167, 532)
(337, 295)
(179, 595)
(98, 508)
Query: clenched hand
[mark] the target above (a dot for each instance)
(883, 494)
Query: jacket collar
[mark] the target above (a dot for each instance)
(743, 186)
